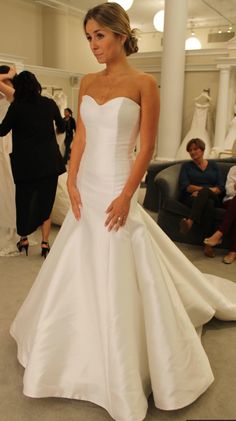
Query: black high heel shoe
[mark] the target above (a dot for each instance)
(22, 246)
(45, 250)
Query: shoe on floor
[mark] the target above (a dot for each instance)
(208, 251)
(229, 258)
(184, 226)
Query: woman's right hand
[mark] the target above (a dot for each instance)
(11, 73)
(75, 199)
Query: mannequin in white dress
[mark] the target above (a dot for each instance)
(231, 134)
(199, 127)
(8, 236)
(112, 314)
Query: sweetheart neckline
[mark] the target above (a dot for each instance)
(112, 99)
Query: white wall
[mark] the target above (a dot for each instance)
(55, 39)
(152, 41)
(21, 30)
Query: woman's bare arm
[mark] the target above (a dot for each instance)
(5, 87)
(77, 149)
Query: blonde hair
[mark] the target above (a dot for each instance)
(114, 17)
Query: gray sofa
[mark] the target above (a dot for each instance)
(171, 210)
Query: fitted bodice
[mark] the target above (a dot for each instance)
(200, 116)
(111, 133)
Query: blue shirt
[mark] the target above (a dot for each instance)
(191, 174)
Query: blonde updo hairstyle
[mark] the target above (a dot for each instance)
(114, 17)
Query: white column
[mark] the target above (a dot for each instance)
(172, 79)
(222, 106)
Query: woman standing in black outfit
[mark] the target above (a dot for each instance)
(36, 161)
(70, 127)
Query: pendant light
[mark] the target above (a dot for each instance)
(193, 43)
(126, 4)
(158, 21)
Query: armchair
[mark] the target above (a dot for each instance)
(171, 210)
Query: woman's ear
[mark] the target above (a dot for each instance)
(123, 39)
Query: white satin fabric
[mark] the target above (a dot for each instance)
(62, 201)
(8, 237)
(112, 315)
(199, 130)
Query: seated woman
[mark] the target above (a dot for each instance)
(201, 187)
(228, 226)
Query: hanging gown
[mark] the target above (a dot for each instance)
(62, 201)
(198, 130)
(111, 316)
(231, 135)
(8, 235)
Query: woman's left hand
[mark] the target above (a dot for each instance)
(117, 213)
(215, 190)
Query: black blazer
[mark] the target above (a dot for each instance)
(35, 152)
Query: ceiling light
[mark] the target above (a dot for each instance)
(126, 4)
(193, 43)
(158, 21)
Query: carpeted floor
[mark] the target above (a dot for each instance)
(219, 339)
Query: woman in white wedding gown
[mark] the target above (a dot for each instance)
(112, 315)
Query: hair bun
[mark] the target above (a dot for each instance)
(131, 44)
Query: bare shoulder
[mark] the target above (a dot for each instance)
(146, 82)
(87, 80)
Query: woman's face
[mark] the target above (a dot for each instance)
(195, 152)
(105, 45)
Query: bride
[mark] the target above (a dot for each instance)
(113, 313)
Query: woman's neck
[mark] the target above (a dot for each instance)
(201, 162)
(117, 68)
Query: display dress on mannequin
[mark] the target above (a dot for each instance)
(8, 236)
(112, 315)
(231, 135)
(200, 127)
(62, 201)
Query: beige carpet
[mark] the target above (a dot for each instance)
(219, 339)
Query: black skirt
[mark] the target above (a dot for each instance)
(34, 203)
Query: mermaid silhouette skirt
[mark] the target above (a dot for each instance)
(112, 316)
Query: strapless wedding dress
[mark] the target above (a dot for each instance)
(112, 316)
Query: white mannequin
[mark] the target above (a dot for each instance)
(199, 127)
(231, 135)
(8, 236)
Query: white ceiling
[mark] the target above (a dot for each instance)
(201, 13)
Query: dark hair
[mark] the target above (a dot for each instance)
(114, 17)
(198, 142)
(4, 69)
(69, 110)
(27, 87)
